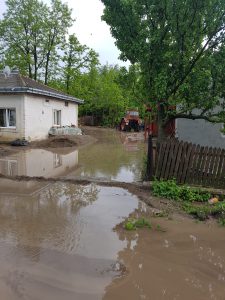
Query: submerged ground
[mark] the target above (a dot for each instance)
(62, 212)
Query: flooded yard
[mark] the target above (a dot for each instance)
(61, 240)
(116, 156)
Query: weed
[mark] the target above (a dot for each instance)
(169, 189)
(194, 201)
(202, 212)
(133, 224)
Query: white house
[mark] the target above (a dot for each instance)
(28, 109)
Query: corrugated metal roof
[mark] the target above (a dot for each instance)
(17, 83)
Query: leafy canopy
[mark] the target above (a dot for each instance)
(179, 46)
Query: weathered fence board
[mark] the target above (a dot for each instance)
(189, 163)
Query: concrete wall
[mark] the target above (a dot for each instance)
(39, 115)
(17, 102)
(200, 132)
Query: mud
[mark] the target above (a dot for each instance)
(176, 259)
(64, 141)
(52, 143)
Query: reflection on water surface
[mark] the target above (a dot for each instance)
(115, 157)
(57, 240)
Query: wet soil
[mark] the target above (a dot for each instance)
(58, 142)
(176, 259)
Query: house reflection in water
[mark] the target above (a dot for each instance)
(39, 163)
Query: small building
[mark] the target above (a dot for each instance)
(28, 109)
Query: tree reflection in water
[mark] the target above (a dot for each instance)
(47, 218)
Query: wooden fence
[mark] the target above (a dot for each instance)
(189, 163)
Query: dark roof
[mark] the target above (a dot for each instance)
(17, 83)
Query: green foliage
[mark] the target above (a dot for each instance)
(169, 189)
(221, 221)
(133, 224)
(194, 201)
(202, 212)
(32, 34)
(179, 48)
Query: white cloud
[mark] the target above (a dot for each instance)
(93, 32)
(89, 29)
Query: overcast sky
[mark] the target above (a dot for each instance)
(89, 28)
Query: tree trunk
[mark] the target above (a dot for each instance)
(46, 68)
(161, 121)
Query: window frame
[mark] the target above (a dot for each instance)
(57, 116)
(7, 109)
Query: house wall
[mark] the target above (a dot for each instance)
(39, 115)
(13, 101)
(200, 132)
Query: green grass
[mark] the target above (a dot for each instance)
(133, 224)
(193, 201)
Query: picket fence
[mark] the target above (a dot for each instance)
(190, 163)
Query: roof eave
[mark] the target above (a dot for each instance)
(40, 92)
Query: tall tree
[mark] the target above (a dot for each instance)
(77, 59)
(177, 45)
(31, 34)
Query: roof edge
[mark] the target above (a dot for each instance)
(40, 92)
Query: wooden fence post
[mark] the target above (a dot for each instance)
(149, 171)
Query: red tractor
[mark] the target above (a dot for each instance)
(131, 121)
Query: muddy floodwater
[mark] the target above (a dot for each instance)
(116, 156)
(57, 240)
(65, 241)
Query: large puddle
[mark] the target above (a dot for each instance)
(116, 156)
(176, 259)
(57, 240)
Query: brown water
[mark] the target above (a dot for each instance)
(185, 262)
(116, 156)
(62, 241)
(57, 240)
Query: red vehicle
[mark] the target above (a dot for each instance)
(130, 121)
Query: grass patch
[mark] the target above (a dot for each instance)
(193, 201)
(170, 190)
(133, 224)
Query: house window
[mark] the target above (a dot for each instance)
(57, 117)
(66, 103)
(7, 117)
